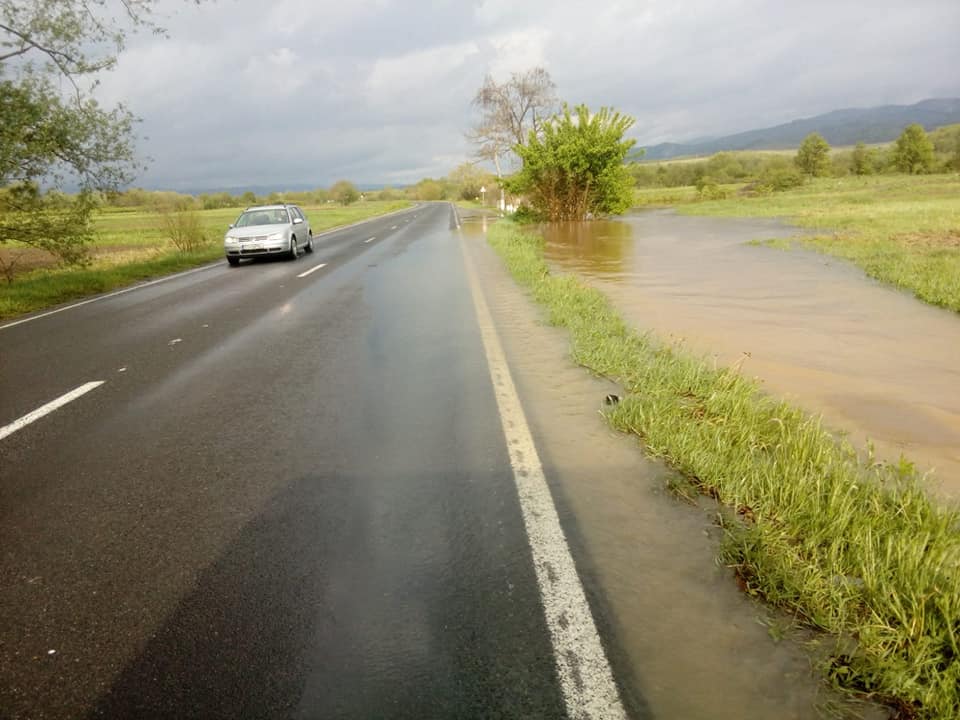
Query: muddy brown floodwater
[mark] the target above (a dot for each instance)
(874, 361)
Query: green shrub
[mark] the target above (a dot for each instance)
(780, 179)
(709, 189)
(185, 230)
(813, 156)
(913, 152)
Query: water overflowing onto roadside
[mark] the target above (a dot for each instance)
(684, 640)
(875, 362)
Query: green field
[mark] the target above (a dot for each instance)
(902, 230)
(132, 245)
(666, 196)
(144, 228)
(844, 543)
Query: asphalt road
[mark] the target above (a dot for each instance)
(291, 497)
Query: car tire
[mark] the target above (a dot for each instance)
(294, 249)
(309, 247)
(234, 261)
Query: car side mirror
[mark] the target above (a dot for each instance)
(231, 227)
(297, 221)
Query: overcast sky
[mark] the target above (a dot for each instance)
(304, 92)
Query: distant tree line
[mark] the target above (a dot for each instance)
(914, 152)
(463, 183)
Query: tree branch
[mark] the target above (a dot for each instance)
(56, 55)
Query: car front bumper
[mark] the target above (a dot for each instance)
(257, 249)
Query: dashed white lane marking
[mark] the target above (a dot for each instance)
(311, 270)
(109, 295)
(394, 227)
(48, 408)
(586, 679)
(370, 240)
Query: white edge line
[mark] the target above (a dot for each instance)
(48, 408)
(313, 269)
(218, 263)
(586, 680)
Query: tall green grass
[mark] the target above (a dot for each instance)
(850, 545)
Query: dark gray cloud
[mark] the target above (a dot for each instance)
(299, 92)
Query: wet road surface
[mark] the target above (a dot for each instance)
(295, 497)
(291, 497)
(875, 362)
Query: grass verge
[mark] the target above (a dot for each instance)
(851, 546)
(902, 230)
(44, 288)
(143, 251)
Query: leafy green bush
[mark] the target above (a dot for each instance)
(779, 179)
(864, 160)
(185, 230)
(913, 152)
(813, 156)
(574, 168)
(525, 215)
(709, 189)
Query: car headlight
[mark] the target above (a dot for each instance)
(229, 239)
(275, 236)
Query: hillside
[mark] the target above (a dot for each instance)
(839, 127)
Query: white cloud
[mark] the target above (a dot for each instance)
(401, 80)
(320, 19)
(273, 77)
(517, 51)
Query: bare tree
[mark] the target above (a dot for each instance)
(509, 111)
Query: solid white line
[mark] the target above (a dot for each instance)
(586, 679)
(48, 408)
(109, 295)
(369, 240)
(313, 269)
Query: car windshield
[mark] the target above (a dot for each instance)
(272, 216)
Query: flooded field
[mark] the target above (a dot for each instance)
(873, 361)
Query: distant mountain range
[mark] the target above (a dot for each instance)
(840, 127)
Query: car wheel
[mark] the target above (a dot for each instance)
(309, 247)
(234, 261)
(294, 249)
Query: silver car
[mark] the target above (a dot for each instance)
(268, 230)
